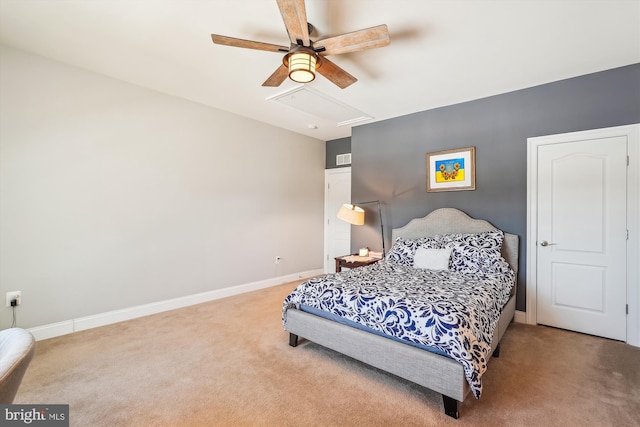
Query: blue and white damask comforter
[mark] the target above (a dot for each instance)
(455, 313)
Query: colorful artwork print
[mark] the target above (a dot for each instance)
(450, 170)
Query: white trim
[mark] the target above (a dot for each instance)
(80, 324)
(633, 242)
(632, 132)
(520, 317)
(52, 330)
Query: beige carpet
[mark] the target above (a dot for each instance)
(228, 363)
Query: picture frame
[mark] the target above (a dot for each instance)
(451, 170)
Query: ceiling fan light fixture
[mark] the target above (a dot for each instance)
(301, 60)
(302, 67)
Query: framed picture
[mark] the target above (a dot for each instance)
(451, 170)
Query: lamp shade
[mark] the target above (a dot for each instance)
(352, 214)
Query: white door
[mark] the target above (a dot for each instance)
(337, 233)
(582, 236)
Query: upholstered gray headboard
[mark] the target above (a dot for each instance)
(450, 220)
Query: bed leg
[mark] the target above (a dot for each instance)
(450, 406)
(293, 340)
(496, 352)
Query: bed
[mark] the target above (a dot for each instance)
(435, 360)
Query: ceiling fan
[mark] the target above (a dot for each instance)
(304, 56)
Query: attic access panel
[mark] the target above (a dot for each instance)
(312, 102)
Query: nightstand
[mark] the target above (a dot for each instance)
(353, 261)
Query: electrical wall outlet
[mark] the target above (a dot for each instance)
(14, 294)
(278, 259)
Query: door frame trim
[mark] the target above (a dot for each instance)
(329, 265)
(632, 132)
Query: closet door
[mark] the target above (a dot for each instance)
(582, 235)
(337, 233)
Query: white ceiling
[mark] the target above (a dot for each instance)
(441, 52)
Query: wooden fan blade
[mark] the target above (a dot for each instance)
(369, 38)
(230, 41)
(335, 74)
(277, 77)
(294, 16)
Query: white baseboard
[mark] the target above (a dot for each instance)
(52, 330)
(520, 317)
(82, 323)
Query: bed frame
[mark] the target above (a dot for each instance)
(433, 371)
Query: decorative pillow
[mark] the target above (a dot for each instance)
(432, 259)
(474, 253)
(403, 250)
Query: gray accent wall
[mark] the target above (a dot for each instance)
(389, 157)
(335, 147)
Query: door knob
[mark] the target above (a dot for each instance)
(545, 243)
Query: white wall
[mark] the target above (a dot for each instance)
(113, 196)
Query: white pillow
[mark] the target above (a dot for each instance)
(432, 259)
